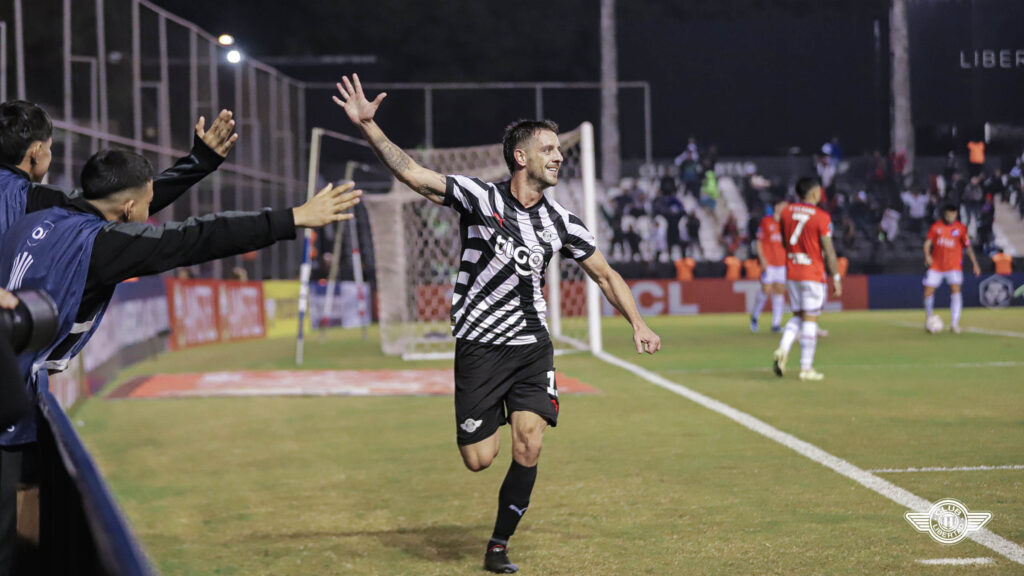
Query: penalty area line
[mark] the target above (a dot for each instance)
(901, 496)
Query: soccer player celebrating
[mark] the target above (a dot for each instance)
(943, 254)
(504, 367)
(772, 256)
(806, 232)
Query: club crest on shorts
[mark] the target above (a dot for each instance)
(948, 521)
(471, 425)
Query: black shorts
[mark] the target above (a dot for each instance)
(493, 381)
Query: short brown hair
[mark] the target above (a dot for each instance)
(518, 132)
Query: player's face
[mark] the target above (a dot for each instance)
(543, 157)
(40, 160)
(949, 216)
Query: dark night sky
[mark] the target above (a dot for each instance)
(753, 76)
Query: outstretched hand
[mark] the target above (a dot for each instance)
(221, 137)
(327, 206)
(646, 340)
(358, 108)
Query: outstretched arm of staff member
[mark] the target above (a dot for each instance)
(361, 112)
(617, 292)
(129, 247)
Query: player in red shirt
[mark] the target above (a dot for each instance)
(943, 254)
(806, 233)
(772, 256)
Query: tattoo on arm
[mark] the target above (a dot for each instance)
(393, 157)
(399, 163)
(432, 193)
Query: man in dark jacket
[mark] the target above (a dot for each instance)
(26, 134)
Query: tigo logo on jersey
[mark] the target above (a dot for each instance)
(521, 255)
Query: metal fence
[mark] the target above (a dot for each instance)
(127, 73)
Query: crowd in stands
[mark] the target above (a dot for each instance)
(690, 209)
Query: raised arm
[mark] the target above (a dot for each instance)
(832, 265)
(361, 111)
(617, 292)
(209, 149)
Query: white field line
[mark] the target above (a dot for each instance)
(946, 469)
(988, 332)
(898, 495)
(956, 561)
(971, 329)
(994, 364)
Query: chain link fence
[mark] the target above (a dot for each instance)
(126, 73)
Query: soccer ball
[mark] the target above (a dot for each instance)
(934, 324)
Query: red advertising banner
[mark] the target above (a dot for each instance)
(205, 311)
(240, 308)
(661, 297)
(710, 295)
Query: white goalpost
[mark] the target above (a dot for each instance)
(305, 269)
(416, 245)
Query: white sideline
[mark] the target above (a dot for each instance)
(993, 364)
(956, 561)
(898, 495)
(944, 469)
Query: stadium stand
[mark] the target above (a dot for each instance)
(662, 216)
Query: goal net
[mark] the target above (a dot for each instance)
(416, 243)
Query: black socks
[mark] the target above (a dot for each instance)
(513, 500)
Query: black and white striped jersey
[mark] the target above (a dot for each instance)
(498, 297)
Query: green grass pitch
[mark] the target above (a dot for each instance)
(635, 480)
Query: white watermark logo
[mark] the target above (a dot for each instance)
(948, 521)
(995, 292)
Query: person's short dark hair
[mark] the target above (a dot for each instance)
(950, 207)
(111, 171)
(805, 185)
(518, 132)
(21, 124)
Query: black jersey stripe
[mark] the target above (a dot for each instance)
(477, 316)
(485, 290)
